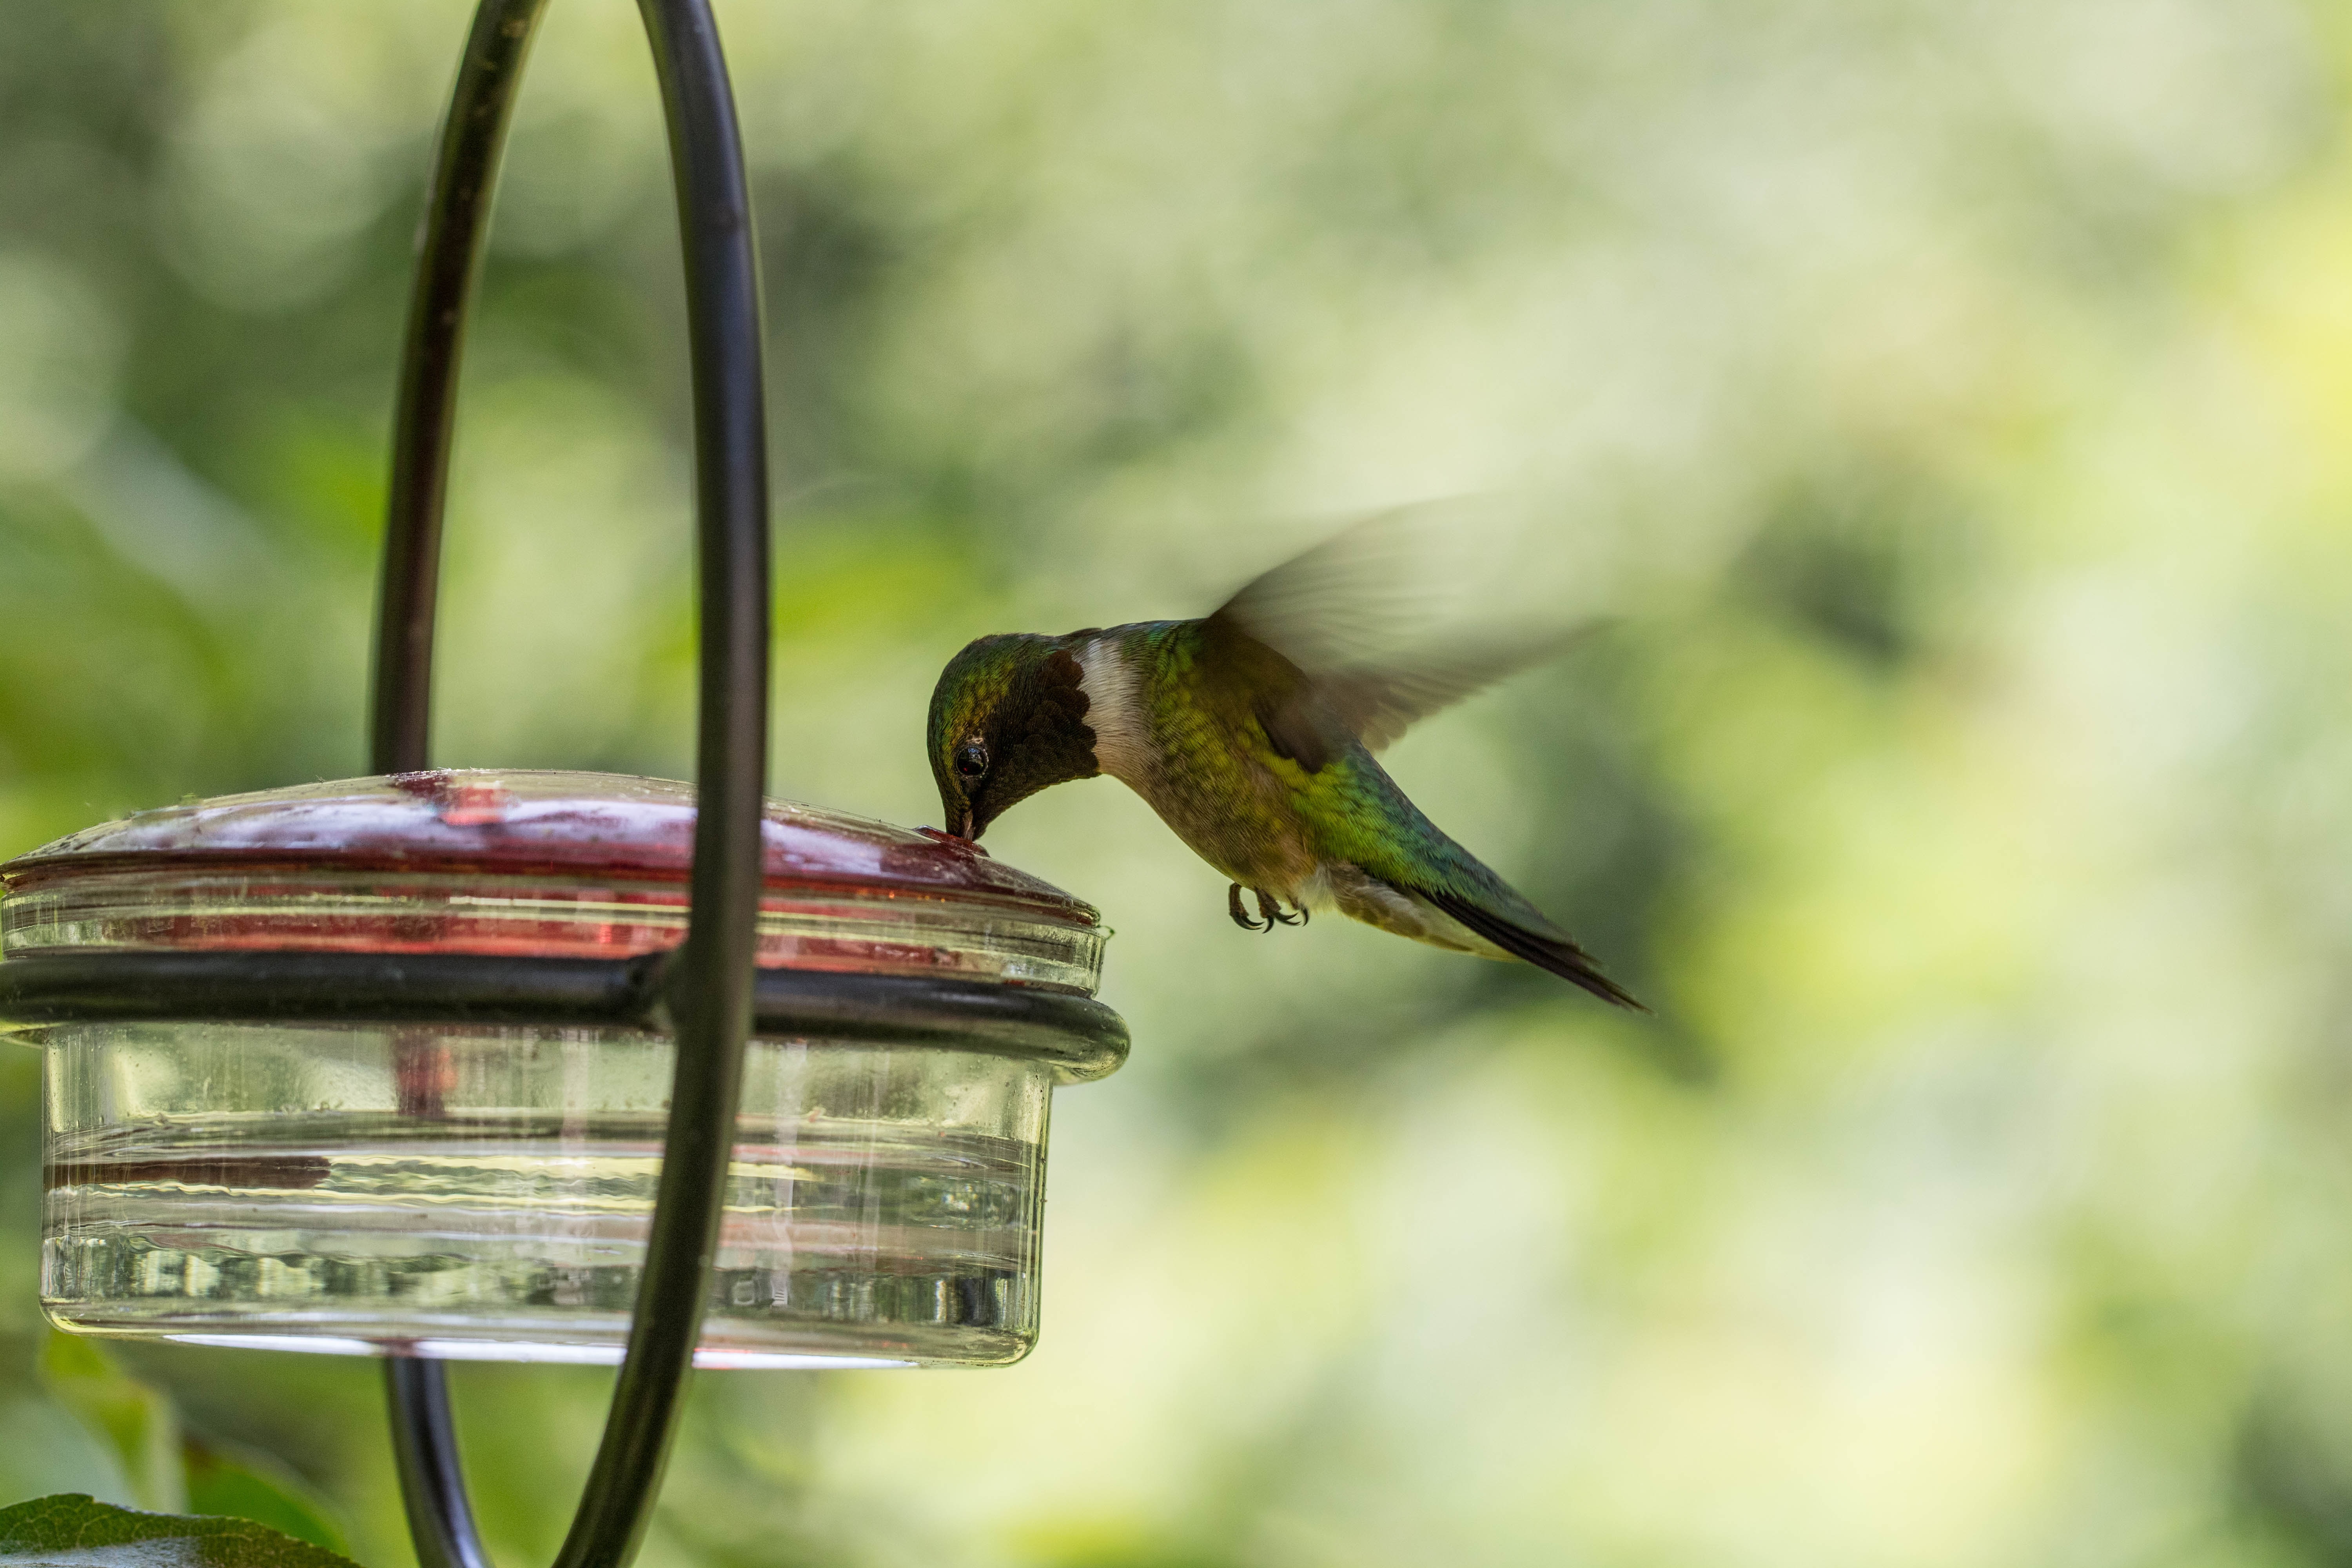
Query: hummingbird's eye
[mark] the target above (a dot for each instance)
(971, 760)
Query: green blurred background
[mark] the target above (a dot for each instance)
(1949, 407)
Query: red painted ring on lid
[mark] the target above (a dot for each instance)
(545, 863)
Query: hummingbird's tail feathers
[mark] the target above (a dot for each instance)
(1556, 954)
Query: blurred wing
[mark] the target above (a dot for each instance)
(1359, 616)
(1380, 702)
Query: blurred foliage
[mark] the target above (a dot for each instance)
(137, 1423)
(1949, 409)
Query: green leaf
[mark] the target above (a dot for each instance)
(245, 1485)
(138, 1422)
(73, 1531)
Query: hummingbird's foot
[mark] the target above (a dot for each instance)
(1269, 909)
(1233, 908)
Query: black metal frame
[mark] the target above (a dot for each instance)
(708, 993)
(708, 988)
(1078, 1036)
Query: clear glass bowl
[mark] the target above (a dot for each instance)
(484, 1192)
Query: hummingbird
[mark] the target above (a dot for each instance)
(1252, 732)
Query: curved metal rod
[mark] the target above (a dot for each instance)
(425, 1451)
(448, 259)
(710, 992)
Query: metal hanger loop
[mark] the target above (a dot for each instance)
(710, 995)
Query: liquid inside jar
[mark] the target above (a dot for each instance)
(485, 1192)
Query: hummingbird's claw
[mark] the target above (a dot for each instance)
(1233, 908)
(1269, 909)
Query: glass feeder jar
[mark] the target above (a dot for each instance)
(483, 1190)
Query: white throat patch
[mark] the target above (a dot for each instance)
(1123, 746)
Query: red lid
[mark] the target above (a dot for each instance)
(538, 862)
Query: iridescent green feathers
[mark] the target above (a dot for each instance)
(1250, 732)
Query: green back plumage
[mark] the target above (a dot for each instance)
(1267, 782)
(1241, 748)
(1251, 732)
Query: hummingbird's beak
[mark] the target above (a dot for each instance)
(963, 826)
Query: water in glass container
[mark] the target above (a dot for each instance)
(481, 1194)
(485, 1191)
